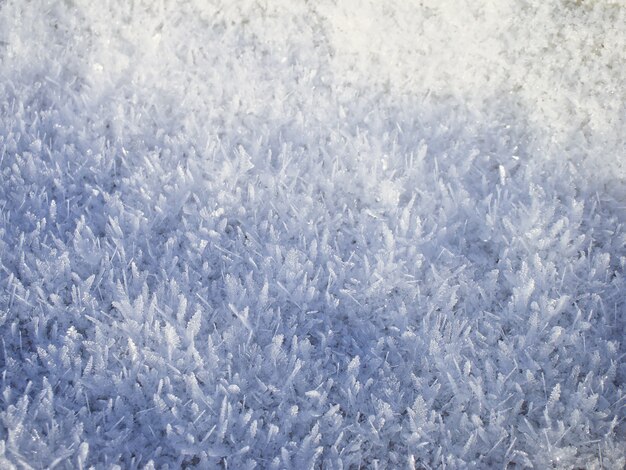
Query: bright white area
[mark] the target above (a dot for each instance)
(297, 234)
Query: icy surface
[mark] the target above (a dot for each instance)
(334, 234)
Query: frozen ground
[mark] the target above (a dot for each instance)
(331, 234)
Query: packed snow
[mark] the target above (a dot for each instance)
(294, 234)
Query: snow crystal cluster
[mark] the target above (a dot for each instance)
(295, 234)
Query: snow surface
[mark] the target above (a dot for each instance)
(332, 234)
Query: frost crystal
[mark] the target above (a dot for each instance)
(326, 234)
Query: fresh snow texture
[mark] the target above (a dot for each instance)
(289, 234)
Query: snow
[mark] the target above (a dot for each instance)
(312, 234)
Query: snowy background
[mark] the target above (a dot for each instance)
(324, 234)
